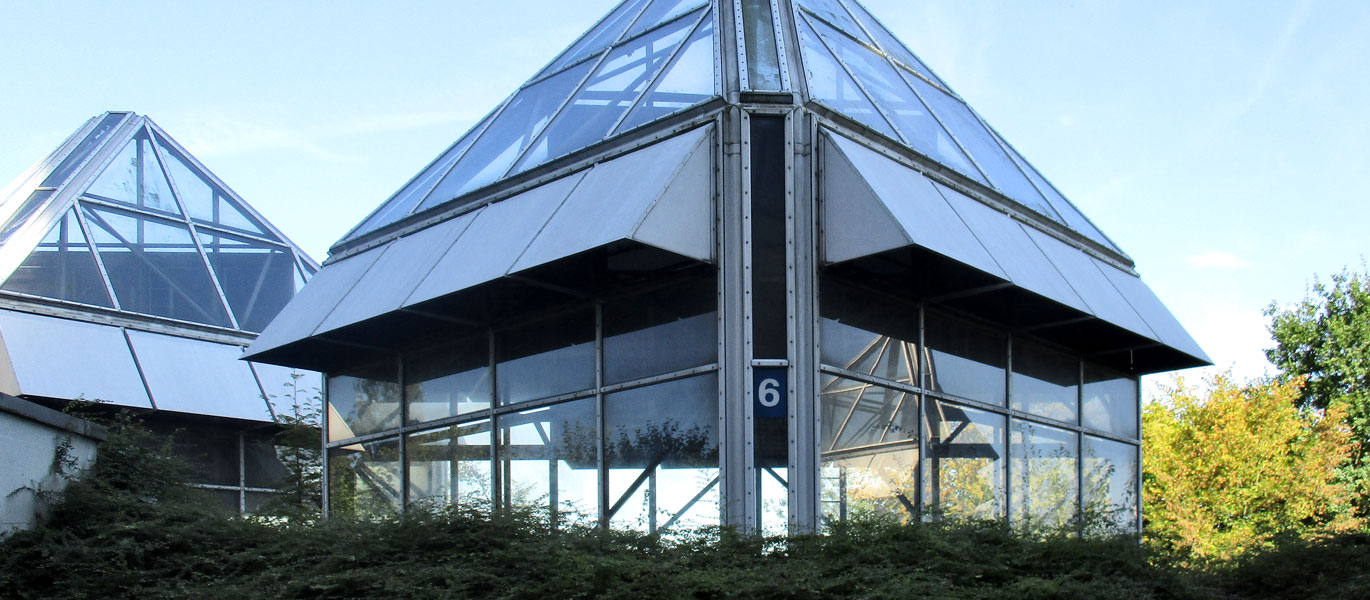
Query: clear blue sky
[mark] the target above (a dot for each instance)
(1223, 145)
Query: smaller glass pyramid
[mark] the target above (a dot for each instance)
(139, 226)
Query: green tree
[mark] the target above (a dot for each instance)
(1325, 339)
(1229, 467)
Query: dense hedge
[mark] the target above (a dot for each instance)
(124, 532)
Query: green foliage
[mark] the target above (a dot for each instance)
(299, 448)
(1230, 467)
(1325, 339)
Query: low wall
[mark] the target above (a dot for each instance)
(32, 440)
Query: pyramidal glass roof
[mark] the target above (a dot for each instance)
(648, 59)
(121, 217)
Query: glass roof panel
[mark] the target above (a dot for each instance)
(830, 84)
(832, 12)
(688, 81)
(605, 33)
(83, 150)
(662, 11)
(136, 178)
(608, 93)
(154, 267)
(205, 202)
(763, 55)
(62, 267)
(1004, 175)
(512, 131)
(1072, 216)
(31, 205)
(893, 95)
(890, 44)
(257, 278)
(404, 201)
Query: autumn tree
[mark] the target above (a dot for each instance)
(1325, 339)
(1228, 467)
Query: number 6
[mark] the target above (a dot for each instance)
(770, 392)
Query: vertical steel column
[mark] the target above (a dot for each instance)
(801, 198)
(327, 481)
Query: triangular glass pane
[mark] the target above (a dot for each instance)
(887, 88)
(1072, 216)
(136, 178)
(61, 267)
(890, 44)
(205, 202)
(608, 93)
(155, 267)
(501, 143)
(832, 12)
(688, 81)
(605, 33)
(21, 216)
(1002, 173)
(257, 278)
(404, 201)
(660, 12)
(830, 84)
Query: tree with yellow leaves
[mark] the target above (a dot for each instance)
(1228, 467)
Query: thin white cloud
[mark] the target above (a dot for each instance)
(1215, 259)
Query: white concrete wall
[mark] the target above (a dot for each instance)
(27, 450)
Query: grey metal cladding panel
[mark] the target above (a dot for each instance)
(198, 377)
(494, 240)
(856, 222)
(1153, 311)
(682, 219)
(311, 306)
(400, 269)
(915, 203)
(1011, 247)
(280, 385)
(611, 201)
(61, 358)
(1097, 291)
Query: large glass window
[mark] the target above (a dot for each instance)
(451, 466)
(661, 449)
(364, 400)
(1110, 401)
(660, 332)
(364, 479)
(1045, 382)
(448, 380)
(1110, 480)
(548, 457)
(869, 440)
(965, 359)
(546, 358)
(1043, 464)
(966, 461)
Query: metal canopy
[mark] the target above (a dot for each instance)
(660, 196)
(873, 204)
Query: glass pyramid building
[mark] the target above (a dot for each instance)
(132, 276)
(740, 261)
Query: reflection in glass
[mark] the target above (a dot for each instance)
(135, 178)
(688, 81)
(763, 58)
(1110, 401)
(61, 267)
(155, 267)
(965, 461)
(262, 465)
(364, 479)
(661, 449)
(965, 359)
(256, 277)
(546, 358)
(448, 380)
(364, 400)
(548, 459)
(1110, 480)
(660, 332)
(831, 85)
(1043, 463)
(834, 14)
(1045, 382)
(608, 31)
(870, 454)
(451, 466)
(773, 497)
(660, 12)
(854, 349)
(890, 45)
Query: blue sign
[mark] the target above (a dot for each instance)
(769, 391)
